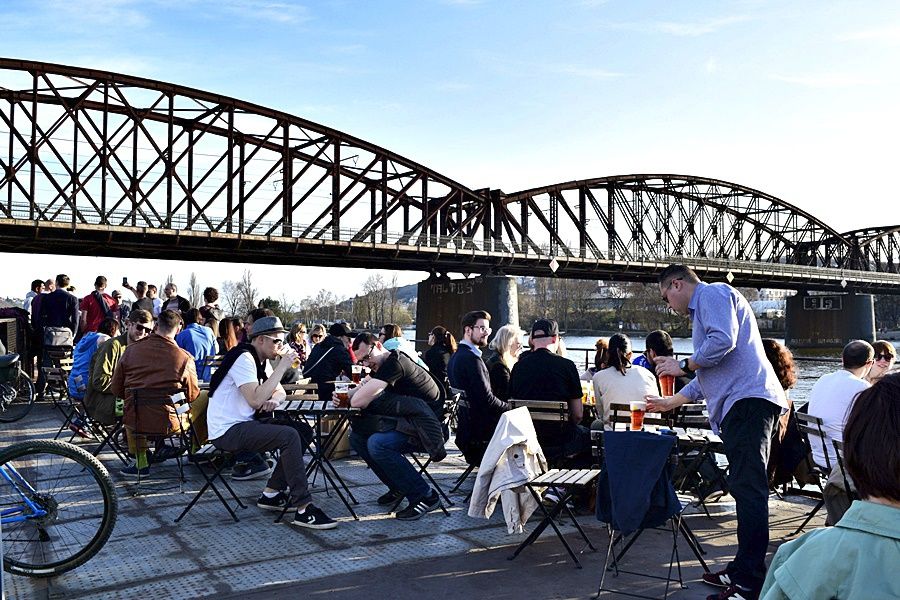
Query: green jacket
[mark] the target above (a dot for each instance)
(857, 559)
(99, 401)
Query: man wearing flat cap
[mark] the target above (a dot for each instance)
(329, 359)
(544, 375)
(245, 384)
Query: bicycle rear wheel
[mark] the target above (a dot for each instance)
(78, 496)
(16, 398)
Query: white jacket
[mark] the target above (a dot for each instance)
(513, 458)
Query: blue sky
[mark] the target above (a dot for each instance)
(798, 99)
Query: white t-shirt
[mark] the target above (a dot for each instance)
(830, 400)
(227, 406)
(611, 387)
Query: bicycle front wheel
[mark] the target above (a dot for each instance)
(16, 398)
(77, 496)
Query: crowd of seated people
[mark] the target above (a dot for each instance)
(120, 348)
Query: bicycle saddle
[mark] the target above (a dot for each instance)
(7, 360)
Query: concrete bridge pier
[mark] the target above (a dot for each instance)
(444, 301)
(829, 321)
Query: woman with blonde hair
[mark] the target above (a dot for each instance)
(506, 346)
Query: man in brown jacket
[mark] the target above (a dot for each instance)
(156, 363)
(99, 400)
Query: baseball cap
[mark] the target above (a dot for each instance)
(544, 328)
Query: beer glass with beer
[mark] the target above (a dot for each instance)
(356, 373)
(342, 390)
(638, 408)
(667, 385)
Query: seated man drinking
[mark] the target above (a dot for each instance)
(245, 384)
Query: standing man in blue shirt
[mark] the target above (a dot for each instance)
(198, 341)
(743, 397)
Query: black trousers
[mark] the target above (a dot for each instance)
(746, 433)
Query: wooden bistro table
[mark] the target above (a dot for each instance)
(323, 446)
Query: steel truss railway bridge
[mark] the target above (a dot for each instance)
(98, 163)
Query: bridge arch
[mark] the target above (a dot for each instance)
(94, 147)
(654, 216)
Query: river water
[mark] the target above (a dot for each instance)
(581, 350)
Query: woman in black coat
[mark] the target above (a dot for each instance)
(437, 357)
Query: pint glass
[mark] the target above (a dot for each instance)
(342, 389)
(667, 383)
(638, 408)
(356, 373)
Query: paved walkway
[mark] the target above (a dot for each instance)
(207, 554)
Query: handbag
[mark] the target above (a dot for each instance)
(58, 336)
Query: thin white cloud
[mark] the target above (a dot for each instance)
(711, 65)
(584, 72)
(697, 28)
(887, 33)
(452, 86)
(826, 80)
(266, 10)
(74, 13)
(347, 49)
(681, 28)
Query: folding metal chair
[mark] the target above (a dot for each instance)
(205, 455)
(450, 403)
(811, 427)
(143, 398)
(635, 464)
(839, 458)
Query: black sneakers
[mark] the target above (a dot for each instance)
(391, 497)
(247, 471)
(277, 502)
(313, 518)
(417, 509)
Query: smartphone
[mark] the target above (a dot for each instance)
(124, 281)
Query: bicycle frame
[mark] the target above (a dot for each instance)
(29, 509)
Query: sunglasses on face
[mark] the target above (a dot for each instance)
(887, 357)
(143, 328)
(276, 341)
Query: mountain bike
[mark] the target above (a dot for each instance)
(58, 507)
(16, 390)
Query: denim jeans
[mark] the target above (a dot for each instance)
(383, 452)
(746, 433)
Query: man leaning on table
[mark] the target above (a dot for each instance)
(743, 397)
(245, 384)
